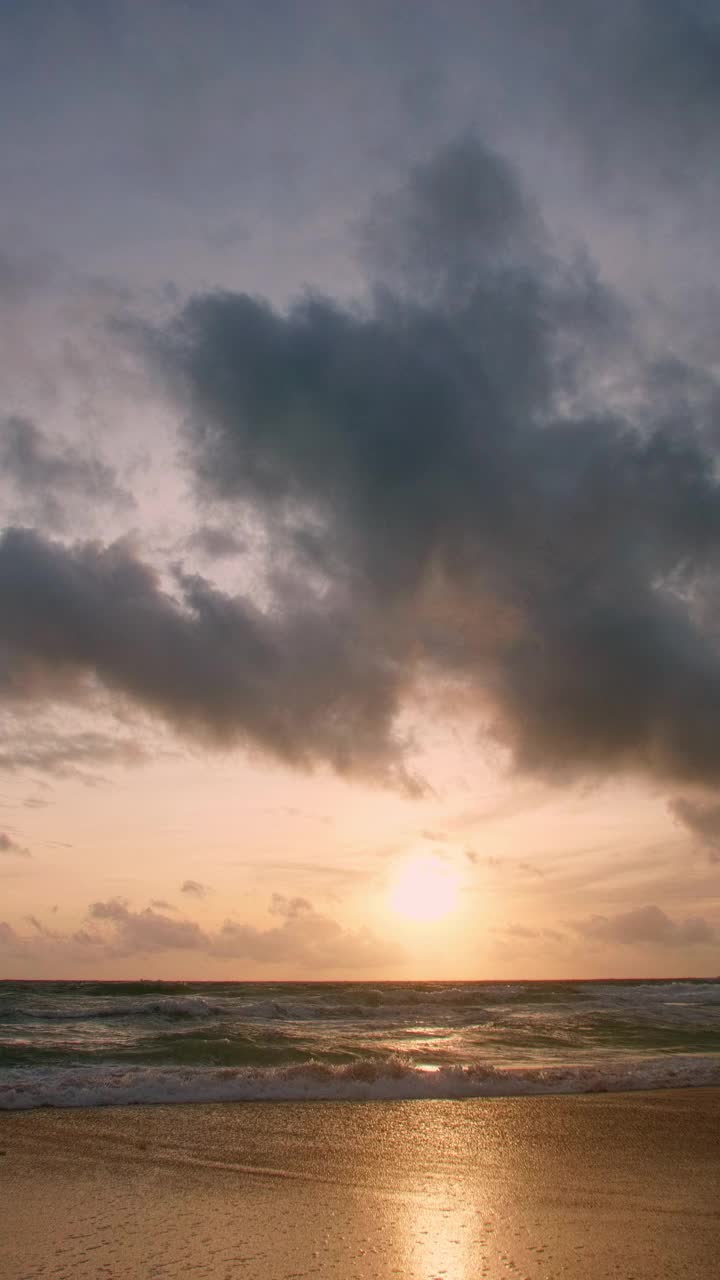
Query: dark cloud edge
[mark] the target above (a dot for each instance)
(445, 492)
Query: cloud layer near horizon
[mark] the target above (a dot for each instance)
(304, 938)
(308, 940)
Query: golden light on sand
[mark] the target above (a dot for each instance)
(425, 887)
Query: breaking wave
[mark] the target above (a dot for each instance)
(363, 1080)
(95, 1044)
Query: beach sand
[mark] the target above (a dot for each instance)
(623, 1187)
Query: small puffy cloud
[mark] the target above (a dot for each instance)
(647, 925)
(11, 847)
(148, 930)
(194, 888)
(113, 909)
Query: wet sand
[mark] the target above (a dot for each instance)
(618, 1187)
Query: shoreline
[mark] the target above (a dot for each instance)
(595, 1185)
(301, 1100)
(357, 1081)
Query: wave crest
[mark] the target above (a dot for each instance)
(362, 1080)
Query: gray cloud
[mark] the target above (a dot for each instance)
(216, 542)
(194, 888)
(45, 473)
(454, 482)
(305, 682)
(702, 819)
(638, 82)
(39, 749)
(627, 90)
(21, 276)
(148, 930)
(305, 936)
(476, 496)
(10, 846)
(649, 925)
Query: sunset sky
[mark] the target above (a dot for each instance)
(359, 437)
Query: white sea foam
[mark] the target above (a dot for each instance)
(358, 1081)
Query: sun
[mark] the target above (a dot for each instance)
(424, 887)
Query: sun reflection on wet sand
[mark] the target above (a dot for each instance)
(440, 1236)
(602, 1188)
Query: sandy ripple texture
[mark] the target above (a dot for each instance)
(616, 1187)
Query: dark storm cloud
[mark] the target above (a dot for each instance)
(306, 683)
(451, 485)
(44, 472)
(466, 481)
(647, 925)
(702, 819)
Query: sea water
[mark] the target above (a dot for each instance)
(72, 1044)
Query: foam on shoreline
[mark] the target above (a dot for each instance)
(362, 1080)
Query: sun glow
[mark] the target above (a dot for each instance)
(425, 887)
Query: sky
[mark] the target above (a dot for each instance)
(359, 490)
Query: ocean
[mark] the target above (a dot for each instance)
(91, 1044)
